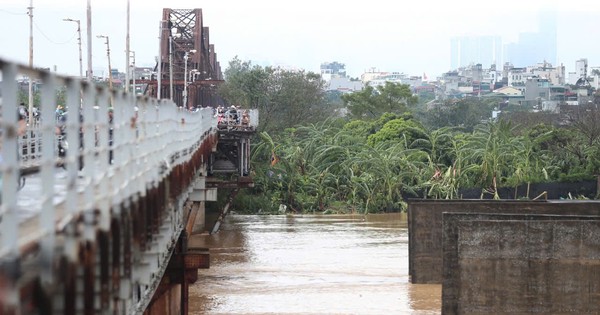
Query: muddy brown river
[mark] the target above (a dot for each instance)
(310, 264)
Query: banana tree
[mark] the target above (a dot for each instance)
(493, 151)
(394, 168)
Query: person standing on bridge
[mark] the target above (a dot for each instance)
(245, 118)
(21, 128)
(110, 135)
(232, 115)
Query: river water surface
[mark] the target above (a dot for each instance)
(307, 264)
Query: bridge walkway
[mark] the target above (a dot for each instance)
(110, 236)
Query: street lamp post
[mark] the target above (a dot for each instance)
(127, 50)
(110, 86)
(159, 61)
(171, 35)
(171, 66)
(79, 44)
(185, 58)
(30, 105)
(90, 72)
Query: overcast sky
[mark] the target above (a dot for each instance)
(404, 36)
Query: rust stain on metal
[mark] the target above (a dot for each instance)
(103, 246)
(88, 257)
(115, 229)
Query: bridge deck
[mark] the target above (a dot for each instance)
(29, 204)
(126, 211)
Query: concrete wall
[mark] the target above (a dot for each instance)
(521, 264)
(426, 234)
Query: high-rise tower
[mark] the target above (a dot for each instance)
(484, 50)
(535, 47)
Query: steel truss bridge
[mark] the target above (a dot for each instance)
(188, 71)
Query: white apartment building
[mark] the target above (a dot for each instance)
(545, 70)
(518, 77)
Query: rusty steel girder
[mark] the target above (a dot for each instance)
(186, 57)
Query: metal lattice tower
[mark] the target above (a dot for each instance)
(183, 32)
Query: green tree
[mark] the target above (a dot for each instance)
(244, 84)
(362, 104)
(399, 129)
(437, 143)
(299, 98)
(372, 102)
(493, 148)
(567, 150)
(528, 166)
(464, 113)
(284, 98)
(586, 121)
(388, 170)
(334, 99)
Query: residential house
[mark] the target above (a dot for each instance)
(344, 85)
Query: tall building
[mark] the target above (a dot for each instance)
(467, 50)
(581, 66)
(534, 47)
(548, 33)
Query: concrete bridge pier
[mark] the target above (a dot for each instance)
(197, 223)
(171, 296)
(199, 195)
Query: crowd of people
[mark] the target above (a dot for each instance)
(232, 115)
(21, 129)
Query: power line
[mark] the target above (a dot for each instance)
(12, 13)
(50, 40)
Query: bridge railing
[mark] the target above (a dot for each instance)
(118, 147)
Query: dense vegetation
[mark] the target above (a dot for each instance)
(390, 146)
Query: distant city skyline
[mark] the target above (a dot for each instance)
(530, 49)
(535, 47)
(383, 35)
(484, 50)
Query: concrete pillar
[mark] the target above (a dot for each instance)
(197, 221)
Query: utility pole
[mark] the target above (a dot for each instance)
(110, 86)
(170, 65)
(172, 37)
(159, 74)
(90, 75)
(79, 44)
(30, 99)
(127, 52)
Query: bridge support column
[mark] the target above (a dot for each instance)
(171, 296)
(197, 220)
(201, 193)
(224, 211)
(199, 196)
